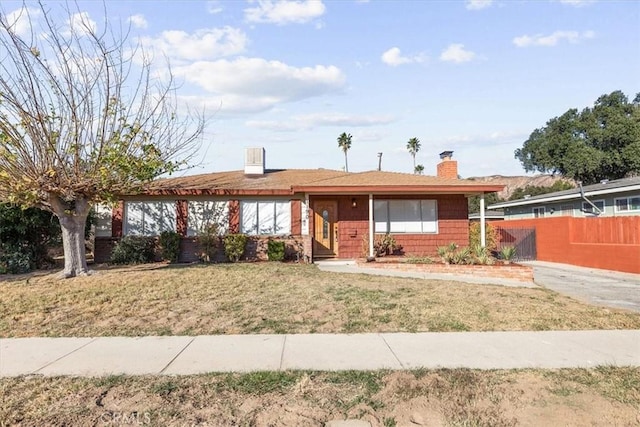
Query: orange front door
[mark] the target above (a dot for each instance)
(325, 228)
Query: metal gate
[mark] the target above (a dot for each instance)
(523, 239)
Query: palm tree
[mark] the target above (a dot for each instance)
(413, 145)
(418, 169)
(344, 142)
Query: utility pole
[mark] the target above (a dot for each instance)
(379, 161)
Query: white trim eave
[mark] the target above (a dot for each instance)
(524, 202)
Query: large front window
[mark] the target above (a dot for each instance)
(265, 217)
(203, 214)
(405, 216)
(149, 218)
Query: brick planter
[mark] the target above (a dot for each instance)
(517, 272)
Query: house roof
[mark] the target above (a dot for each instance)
(315, 181)
(602, 188)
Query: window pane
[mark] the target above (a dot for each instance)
(165, 217)
(634, 203)
(266, 218)
(429, 216)
(150, 218)
(621, 205)
(380, 216)
(283, 218)
(134, 215)
(412, 216)
(103, 220)
(249, 217)
(203, 213)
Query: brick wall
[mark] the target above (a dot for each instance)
(611, 243)
(102, 247)
(448, 169)
(353, 226)
(515, 272)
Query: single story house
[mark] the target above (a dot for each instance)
(620, 197)
(326, 213)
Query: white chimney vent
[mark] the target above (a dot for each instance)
(254, 160)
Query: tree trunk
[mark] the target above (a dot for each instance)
(72, 223)
(346, 164)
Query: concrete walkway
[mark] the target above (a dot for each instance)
(595, 286)
(184, 355)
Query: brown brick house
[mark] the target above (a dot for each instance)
(328, 213)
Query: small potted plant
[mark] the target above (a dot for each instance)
(507, 253)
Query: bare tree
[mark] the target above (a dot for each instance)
(83, 118)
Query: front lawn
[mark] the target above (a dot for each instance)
(278, 298)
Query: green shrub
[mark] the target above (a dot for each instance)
(15, 262)
(491, 234)
(452, 254)
(234, 246)
(507, 253)
(275, 250)
(209, 242)
(482, 255)
(384, 245)
(170, 245)
(133, 250)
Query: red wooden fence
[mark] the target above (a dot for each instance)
(611, 243)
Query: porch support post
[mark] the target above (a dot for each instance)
(483, 239)
(371, 236)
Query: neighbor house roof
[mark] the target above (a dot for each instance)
(316, 181)
(602, 188)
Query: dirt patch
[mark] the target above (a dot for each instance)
(405, 398)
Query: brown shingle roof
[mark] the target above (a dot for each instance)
(288, 181)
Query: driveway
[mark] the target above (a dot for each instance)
(601, 287)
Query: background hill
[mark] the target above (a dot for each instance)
(512, 183)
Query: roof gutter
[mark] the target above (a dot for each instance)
(576, 195)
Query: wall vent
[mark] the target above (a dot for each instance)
(254, 161)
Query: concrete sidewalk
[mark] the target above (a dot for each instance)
(183, 355)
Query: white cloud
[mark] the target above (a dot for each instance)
(214, 7)
(393, 57)
(255, 84)
(478, 4)
(80, 23)
(208, 43)
(138, 21)
(283, 12)
(22, 20)
(310, 121)
(553, 39)
(456, 53)
(577, 3)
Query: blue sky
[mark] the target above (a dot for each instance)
(475, 77)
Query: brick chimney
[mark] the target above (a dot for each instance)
(447, 168)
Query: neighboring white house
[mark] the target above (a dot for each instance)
(620, 197)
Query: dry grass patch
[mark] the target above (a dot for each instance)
(279, 298)
(458, 397)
